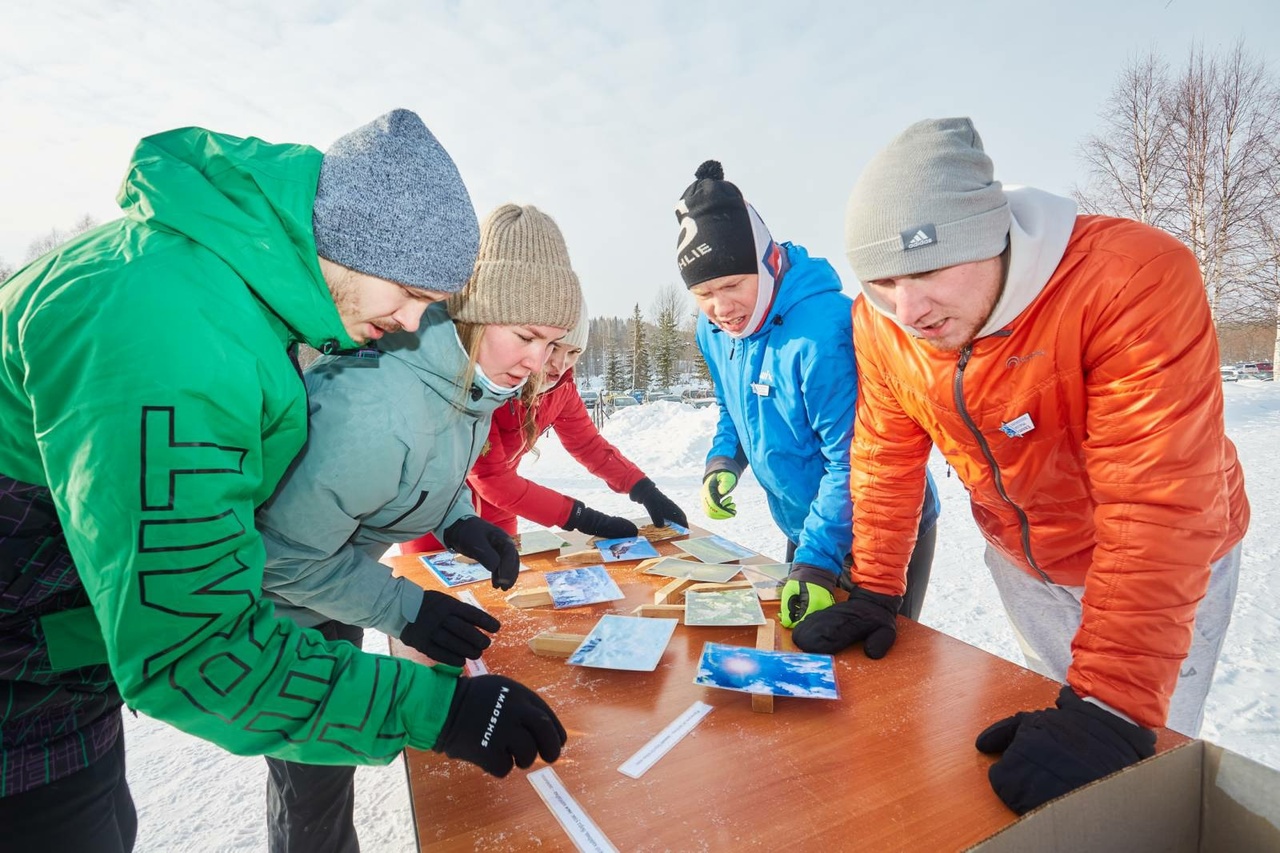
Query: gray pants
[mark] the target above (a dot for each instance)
(310, 807)
(1045, 618)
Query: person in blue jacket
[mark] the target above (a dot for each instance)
(776, 332)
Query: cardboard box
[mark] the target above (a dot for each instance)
(1195, 798)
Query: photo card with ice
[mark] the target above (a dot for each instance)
(748, 670)
(577, 587)
(767, 579)
(453, 569)
(674, 567)
(537, 541)
(625, 642)
(621, 550)
(714, 549)
(723, 607)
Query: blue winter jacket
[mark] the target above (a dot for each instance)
(786, 397)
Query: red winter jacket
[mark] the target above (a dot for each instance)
(502, 494)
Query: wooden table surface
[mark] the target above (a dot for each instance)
(889, 766)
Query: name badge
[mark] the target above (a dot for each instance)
(761, 389)
(1018, 427)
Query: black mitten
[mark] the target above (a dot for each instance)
(449, 630)
(866, 616)
(489, 545)
(661, 508)
(1048, 753)
(596, 523)
(496, 722)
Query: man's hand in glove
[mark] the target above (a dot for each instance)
(487, 544)
(660, 507)
(449, 630)
(1048, 753)
(496, 722)
(866, 616)
(807, 590)
(595, 523)
(716, 487)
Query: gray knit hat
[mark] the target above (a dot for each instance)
(928, 200)
(522, 274)
(577, 337)
(390, 203)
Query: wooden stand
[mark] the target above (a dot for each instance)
(537, 596)
(552, 644)
(660, 611)
(766, 640)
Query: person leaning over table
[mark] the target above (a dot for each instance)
(390, 446)
(149, 404)
(1067, 368)
(502, 493)
(776, 333)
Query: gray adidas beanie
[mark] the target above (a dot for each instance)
(928, 200)
(390, 203)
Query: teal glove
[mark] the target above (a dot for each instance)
(808, 589)
(716, 502)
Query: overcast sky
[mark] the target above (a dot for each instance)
(597, 112)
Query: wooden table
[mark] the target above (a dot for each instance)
(890, 766)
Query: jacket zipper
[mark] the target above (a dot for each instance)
(402, 516)
(474, 423)
(1023, 524)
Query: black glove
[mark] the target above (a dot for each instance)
(1048, 753)
(867, 616)
(489, 545)
(448, 630)
(594, 523)
(660, 507)
(494, 721)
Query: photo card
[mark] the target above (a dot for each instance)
(623, 550)
(723, 607)
(714, 549)
(748, 670)
(674, 567)
(537, 541)
(625, 642)
(453, 569)
(582, 586)
(767, 579)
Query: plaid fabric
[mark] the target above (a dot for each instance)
(51, 724)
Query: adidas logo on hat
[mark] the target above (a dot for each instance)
(922, 235)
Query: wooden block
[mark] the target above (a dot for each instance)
(719, 587)
(649, 563)
(580, 558)
(661, 611)
(659, 534)
(673, 592)
(551, 644)
(766, 640)
(537, 596)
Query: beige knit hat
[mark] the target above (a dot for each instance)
(577, 337)
(522, 274)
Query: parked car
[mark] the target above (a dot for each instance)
(1229, 374)
(1263, 370)
(1266, 371)
(589, 397)
(620, 401)
(670, 398)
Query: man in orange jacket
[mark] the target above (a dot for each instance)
(1067, 367)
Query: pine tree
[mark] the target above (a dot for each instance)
(668, 341)
(640, 372)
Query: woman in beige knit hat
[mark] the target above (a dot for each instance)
(391, 442)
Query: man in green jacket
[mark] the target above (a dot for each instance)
(149, 403)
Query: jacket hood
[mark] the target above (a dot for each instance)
(248, 202)
(1040, 228)
(435, 355)
(804, 277)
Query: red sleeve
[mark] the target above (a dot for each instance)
(494, 478)
(578, 434)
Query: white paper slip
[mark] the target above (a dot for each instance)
(661, 743)
(582, 830)
(473, 667)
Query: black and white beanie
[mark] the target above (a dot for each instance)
(721, 234)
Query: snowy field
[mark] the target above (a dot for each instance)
(193, 796)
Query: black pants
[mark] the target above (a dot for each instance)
(311, 807)
(89, 811)
(918, 570)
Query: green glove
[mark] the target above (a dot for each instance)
(808, 589)
(716, 487)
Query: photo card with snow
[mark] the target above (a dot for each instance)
(674, 567)
(453, 569)
(723, 607)
(625, 642)
(579, 587)
(767, 579)
(805, 676)
(714, 549)
(630, 548)
(537, 541)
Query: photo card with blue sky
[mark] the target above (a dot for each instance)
(748, 670)
(674, 567)
(767, 579)
(537, 541)
(714, 549)
(453, 569)
(579, 587)
(625, 642)
(622, 550)
(723, 607)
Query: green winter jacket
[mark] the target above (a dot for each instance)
(386, 461)
(145, 379)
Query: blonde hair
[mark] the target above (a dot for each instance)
(471, 334)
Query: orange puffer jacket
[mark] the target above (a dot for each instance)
(1126, 484)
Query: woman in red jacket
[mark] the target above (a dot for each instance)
(502, 494)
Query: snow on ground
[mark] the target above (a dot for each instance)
(193, 796)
